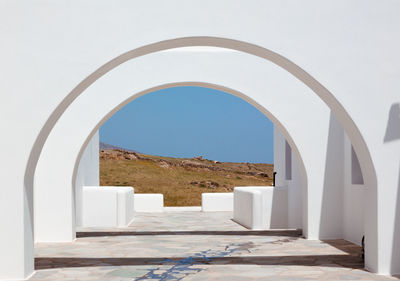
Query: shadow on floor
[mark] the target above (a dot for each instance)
(348, 261)
(284, 233)
(344, 246)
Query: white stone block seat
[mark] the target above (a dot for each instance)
(107, 206)
(261, 207)
(217, 202)
(149, 202)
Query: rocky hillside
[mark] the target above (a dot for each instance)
(181, 180)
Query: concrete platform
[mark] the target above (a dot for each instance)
(197, 246)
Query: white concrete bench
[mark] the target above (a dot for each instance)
(217, 202)
(261, 207)
(149, 202)
(107, 206)
(183, 209)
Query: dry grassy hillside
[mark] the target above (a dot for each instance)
(180, 180)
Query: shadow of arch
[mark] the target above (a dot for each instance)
(396, 236)
(339, 111)
(393, 125)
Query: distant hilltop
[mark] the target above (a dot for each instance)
(106, 146)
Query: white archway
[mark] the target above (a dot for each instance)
(49, 47)
(259, 52)
(264, 111)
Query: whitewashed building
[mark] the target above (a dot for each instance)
(326, 73)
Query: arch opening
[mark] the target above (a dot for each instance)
(301, 180)
(323, 93)
(175, 129)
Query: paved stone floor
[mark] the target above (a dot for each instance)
(196, 246)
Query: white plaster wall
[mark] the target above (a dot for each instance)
(332, 196)
(353, 201)
(87, 174)
(295, 198)
(296, 190)
(276, 207)
(107, 206)
(350, 47)
(125, 206)
(261, 207)
(148, 203)
(348, 219)
(217, 202)
(349, 222)
(279, 158)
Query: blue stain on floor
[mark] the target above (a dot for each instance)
(183, 267)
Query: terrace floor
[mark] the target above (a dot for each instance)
(196, 246)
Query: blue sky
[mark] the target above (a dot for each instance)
(192, 121)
